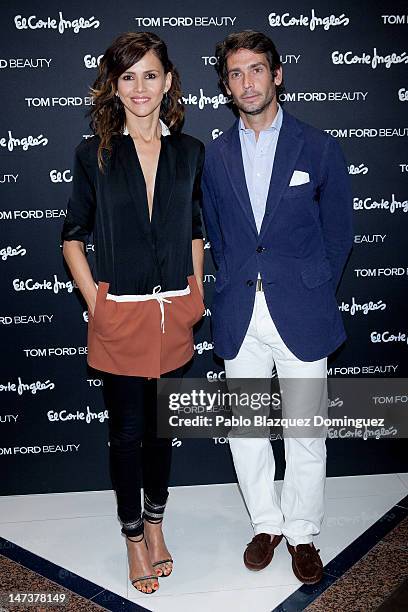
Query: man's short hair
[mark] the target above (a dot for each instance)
(251, 40)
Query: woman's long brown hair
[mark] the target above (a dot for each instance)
(107, 113)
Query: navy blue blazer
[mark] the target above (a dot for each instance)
(300, 251)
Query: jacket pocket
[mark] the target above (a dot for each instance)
(316, 274)
(299, 191)
(199, 307)
(101, 293)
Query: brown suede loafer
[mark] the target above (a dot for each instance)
(306, 563)
(259, 551)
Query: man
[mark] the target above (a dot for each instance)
(278, 209)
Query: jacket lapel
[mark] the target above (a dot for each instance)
(289, 145)
(135, 180)
(232, 157)
(164, 184)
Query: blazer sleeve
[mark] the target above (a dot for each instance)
(210, 213)
(197, 196)
(336, 208)
(80, 217)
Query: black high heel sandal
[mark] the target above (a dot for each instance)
(153, 514)
(140, 578)
(159, 563)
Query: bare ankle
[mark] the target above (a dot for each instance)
(135, 539)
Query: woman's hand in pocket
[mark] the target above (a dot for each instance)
(200, 287)
(92, 303)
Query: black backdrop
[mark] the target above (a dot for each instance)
(345, 71)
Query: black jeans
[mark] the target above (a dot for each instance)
(137, 457)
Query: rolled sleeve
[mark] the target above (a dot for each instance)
(80, 217)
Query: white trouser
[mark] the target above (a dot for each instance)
(299, 514)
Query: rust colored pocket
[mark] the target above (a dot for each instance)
(127, 339)
(98, 316)
(199, 307)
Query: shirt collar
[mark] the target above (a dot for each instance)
(164, 129)
(275, 125)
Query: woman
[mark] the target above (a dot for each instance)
(136, 186)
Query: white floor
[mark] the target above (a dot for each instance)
(206, 528)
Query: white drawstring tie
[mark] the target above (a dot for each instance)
(161, 300)
(160, 297)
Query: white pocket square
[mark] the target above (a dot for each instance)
(299, 178)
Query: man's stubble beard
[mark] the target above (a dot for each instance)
(259, 110)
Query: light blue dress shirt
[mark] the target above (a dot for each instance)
(258, 157)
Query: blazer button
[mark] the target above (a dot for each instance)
(260, 249)
(250, 283)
